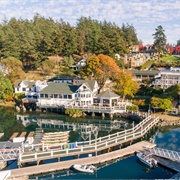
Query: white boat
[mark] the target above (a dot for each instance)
(84, 168)
(150, 162)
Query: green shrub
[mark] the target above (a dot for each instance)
(132, 108)
(72, 112)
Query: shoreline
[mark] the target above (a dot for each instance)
(7, 104)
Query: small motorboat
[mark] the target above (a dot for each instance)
(147, 160)
(84, 168)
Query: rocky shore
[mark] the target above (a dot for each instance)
(168, 119)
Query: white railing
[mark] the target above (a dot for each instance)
(9, 154)
(105, 138)
(93, 145)
(165, 153)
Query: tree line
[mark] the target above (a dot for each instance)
(32, 41)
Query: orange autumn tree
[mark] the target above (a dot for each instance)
(125, 85)
(101, 68)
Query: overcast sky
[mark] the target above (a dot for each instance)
(144, 15)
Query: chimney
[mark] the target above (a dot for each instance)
(73, 82)
(90, 77)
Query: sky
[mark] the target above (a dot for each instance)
(144, 15)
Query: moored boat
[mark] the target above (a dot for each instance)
(150, 162)
(84, 168)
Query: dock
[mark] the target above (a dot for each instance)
(173, 165)
(64, 165)
(30, 137)
(23, 134)
(20, 138)
(15, 134)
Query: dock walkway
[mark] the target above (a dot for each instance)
(167, 163)
(46, 168)
(92, 146)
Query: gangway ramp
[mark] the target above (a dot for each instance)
(165, 153)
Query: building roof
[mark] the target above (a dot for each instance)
(60, 88)
(145, 72)
(108, 94)
(89, 83)
(28, 83)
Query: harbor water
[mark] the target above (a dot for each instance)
(127, 168)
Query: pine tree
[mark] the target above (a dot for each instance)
(159, 41)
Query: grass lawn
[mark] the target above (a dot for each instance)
(169, 59)
(147, 65)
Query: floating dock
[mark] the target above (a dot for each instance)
(15, 134)
(20, 138)
(64, 165)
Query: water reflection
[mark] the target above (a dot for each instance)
(168, 140)
(86, 128)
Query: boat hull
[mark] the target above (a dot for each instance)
(83, 168)
(140, 157)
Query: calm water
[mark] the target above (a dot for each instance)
(129, 168)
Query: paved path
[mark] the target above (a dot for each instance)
(46, 168)
(168, 117)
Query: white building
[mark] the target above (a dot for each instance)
(80, 93)
(30, 88)
(80, 64)
(167, 78)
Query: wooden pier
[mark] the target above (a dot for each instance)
(64, 165)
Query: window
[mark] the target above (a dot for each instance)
(82, 95)
(17, 89)
(42, 95)
(46, 95)
(24, 89)
(60, 96)
(65, 96)
(55, 95)
(69, 96)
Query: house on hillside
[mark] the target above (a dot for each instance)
(139, 75)
(64, 79)
(30, 88)
(167, 77)
(80, 64)
(79, 92)
(135, 59)
(134, 49)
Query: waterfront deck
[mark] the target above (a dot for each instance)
(64, 165)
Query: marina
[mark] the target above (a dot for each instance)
(88, 161)
(79, 151)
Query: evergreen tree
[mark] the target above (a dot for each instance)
(159, 41)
